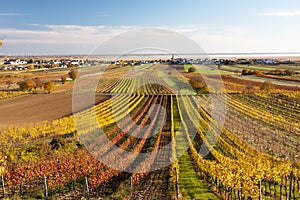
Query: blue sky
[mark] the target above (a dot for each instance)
(75, 27)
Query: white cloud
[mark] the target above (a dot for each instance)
(187, 29)
(11, 14)
(247, 43)
(62, 34)
(76, 34)
(283, 13)
(81, 39)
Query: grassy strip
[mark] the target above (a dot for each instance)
(206, 70)
(166, 78)
(140, 67)
(190, 185)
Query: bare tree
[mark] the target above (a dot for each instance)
(73, 74)
(249, 87)
(267, 86)
(9, 85)
(38, 83)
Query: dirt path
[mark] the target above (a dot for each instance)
(155, 185)
(37, 107)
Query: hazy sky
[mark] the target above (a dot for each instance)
(76, 27)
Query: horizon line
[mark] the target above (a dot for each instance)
(160, 54)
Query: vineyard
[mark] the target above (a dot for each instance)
(189, 153)
(7, 95)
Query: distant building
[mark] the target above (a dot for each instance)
(75, 62)
(18, 62)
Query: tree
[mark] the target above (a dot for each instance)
(290, 72)
(63, 80)
(198, 84)
(27, 85)
(38, 83)
(73, 74)
(30, 61)
(191, 69)
(257, 72)
(9, 84)
(49, 86)
(245, 72)
(249, 87)
(267, 85)
(251, 72)
(30, 67)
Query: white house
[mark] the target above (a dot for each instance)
(56, 62)
(74, 62)
(18, 62)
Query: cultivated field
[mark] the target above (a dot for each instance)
(253, 154)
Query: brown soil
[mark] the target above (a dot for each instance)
(37, 108)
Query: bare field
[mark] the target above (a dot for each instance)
(37, 108)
